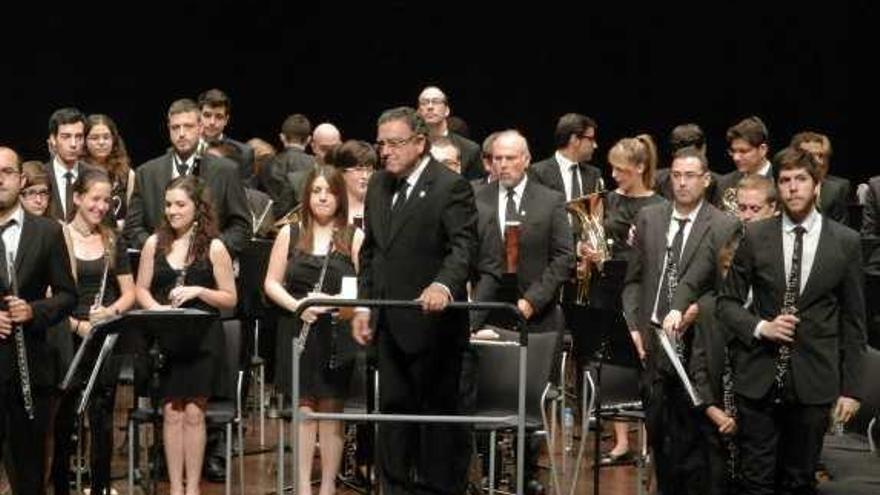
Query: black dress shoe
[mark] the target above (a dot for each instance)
(215, 469)
(534, 487)
(610, 459)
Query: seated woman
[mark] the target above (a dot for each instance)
(322, 243)
(184, 265)
(105, 287)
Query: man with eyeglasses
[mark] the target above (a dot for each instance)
(669, 241)
(755, 198)
(420, 238)
(748, 144)
(41, 261)
(568, 170)
(835, 193)
(67, 138)
(683, 136)
(435, 110)
(445, 151)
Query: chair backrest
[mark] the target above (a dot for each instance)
(498, 375)
(870, 406)
(617, 385)
(232, 331)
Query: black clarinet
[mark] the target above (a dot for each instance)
(24, 375)
(671, 285)
(783, 356)
(729, 403)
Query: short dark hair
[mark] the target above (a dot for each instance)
(183, 105)
(296, 128)
(64, 116)
(352, 153)
(685, 135)
(751, 130)
(215, 98)
(405, 114)
(692, 152)
(571, 123)
(812, 137)
(792, 158)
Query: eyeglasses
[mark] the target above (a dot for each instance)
(9, 172)
(430, 101)
(395, 142)
(35, 193)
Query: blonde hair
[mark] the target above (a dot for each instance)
(639, 150)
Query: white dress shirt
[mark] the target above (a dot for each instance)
(517, 200)
(671, 230)
(61, 182)
(565, 170)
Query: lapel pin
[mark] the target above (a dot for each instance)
(422, 193)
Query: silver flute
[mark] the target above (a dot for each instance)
(24, 375)
(99, 297)
(319, 286)
(783, 355)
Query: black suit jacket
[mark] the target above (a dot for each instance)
(56, 205)
(834, 198)
(471, 156)
(431, 239)
(41, 262)
(663, 186)
(277, 178)
(147, 205)
(871, 225)
(546, 251)
(244, 157)
(646, 262)
(829, 350)
(547, 173)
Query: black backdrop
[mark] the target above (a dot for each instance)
(634, 68)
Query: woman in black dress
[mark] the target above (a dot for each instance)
(633, 164)
(106, 149)
(322, 238)
(94, 252)
(184, 265)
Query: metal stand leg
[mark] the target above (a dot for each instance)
(492, 441)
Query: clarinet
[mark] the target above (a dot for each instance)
(181, 277)
(24, 375)
(729, 408)
(319, 286)
(671, 285)
(783, 356)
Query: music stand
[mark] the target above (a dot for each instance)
(163, 331)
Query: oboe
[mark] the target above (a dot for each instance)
(319, 286)
(24, 375)
(783, 356)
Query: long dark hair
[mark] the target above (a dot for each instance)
(333, 176)
(205, 231)
(88, 177)
(118, 164)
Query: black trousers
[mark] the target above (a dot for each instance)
(675, 437)
(779, 445)
(25, 437)
(420, 458)
(716, 451)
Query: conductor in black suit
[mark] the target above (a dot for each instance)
(813, 265)
(147, 204)
(420, 238)
(41, 262)
(568, 170)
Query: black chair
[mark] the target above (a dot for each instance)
(498, 382)
(224, 412)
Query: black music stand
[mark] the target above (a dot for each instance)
(159, 333)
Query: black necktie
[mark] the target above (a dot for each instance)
(402, 186)
(68, 195)
(673, 254)
(182, 169)
(575, 183)
(510, 212)
(797, 255)
(4, 273)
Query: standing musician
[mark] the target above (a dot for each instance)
(666, 242)
(105, 287)
(799, 351)
(310, 259)
(42, 264)
(184, 265)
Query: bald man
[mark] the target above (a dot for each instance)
(434, 109)
(324, 138)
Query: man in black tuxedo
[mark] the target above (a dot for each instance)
(871, 226)
(277, 177)
(747, 143)
(147, 205)
(216, 110)
(835, 193)
(41, 262)
(684, 136)
(805, 273)
(66, 138)
(434, 109)
(575, 138)
(420, 238)
(668, 239)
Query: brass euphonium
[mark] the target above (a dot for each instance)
(294, 216)
(590, 212)
(728, 201)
